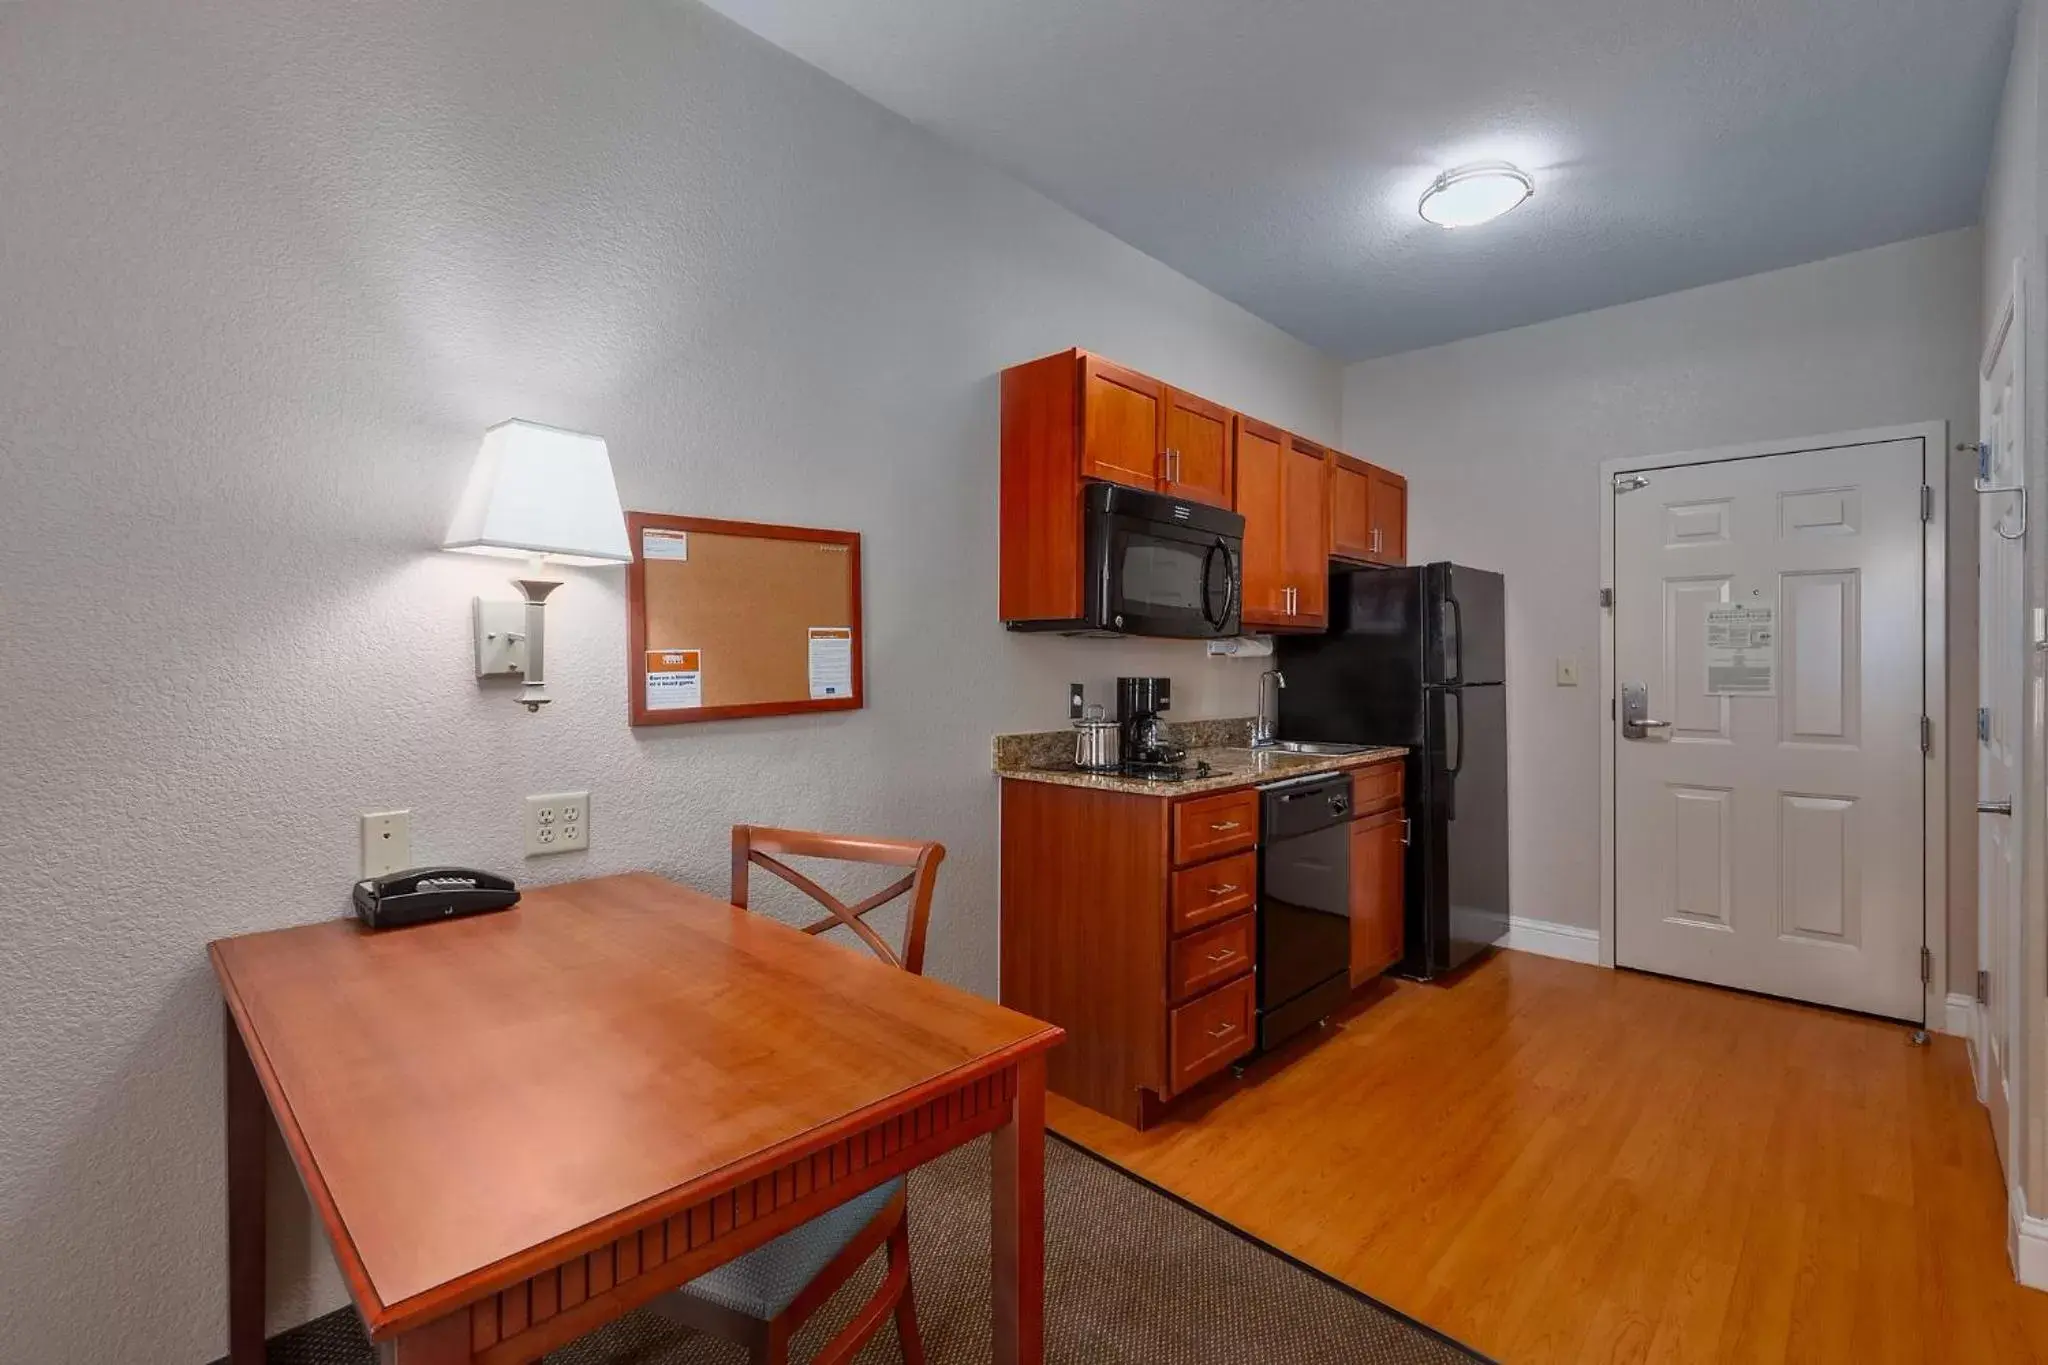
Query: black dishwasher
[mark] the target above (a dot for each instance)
(1304, 903)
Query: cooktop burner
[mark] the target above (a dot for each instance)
(1164, 772)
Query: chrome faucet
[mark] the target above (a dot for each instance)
(1267, 718)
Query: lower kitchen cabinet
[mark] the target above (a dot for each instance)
(1131, 920)
(1379, 855)
(1128, 919)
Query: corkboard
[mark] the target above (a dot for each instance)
(728, 618)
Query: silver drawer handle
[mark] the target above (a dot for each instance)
(1223, 890)
(1223, 1030)
(1226, 825)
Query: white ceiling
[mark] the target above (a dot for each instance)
(1275, 152)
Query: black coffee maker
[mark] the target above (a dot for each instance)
(1141, 704)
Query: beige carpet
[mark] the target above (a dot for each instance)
(1131, 1275)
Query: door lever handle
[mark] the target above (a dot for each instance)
(1640, 729)
(1994, 808)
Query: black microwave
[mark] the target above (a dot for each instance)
(1155, 566)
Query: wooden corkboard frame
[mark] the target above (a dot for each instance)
(746, 601)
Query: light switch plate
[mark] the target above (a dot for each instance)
(557, 823)
(1567, 672)
(500, 638)
(387, 842)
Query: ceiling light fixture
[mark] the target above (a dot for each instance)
(1467, 196)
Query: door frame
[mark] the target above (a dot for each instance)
(1933, 437)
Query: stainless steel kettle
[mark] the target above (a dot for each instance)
(1096, 741)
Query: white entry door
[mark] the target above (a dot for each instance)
(1768, 834)
(2001, 682)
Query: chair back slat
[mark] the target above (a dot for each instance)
(758, 845)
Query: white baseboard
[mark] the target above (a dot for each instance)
(1568, 941)
(2027, 1243)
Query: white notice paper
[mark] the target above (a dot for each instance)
(831, 662)
(656, 543)
(1742, 651)
(675, 679)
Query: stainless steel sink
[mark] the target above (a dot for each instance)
(1309, 746)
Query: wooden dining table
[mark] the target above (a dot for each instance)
(518, 1126)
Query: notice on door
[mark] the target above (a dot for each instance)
(1742, 651)
(675, 679)
(831, 662)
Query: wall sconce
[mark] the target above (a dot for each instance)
(545, 495)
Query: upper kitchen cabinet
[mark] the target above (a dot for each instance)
(1196, 454)
(1123, 416)
(1389, 517)
(1305, 493)
(1259, 502)
(1283, 495)
(1137, 431)
(1072, 421)
(1368, 512)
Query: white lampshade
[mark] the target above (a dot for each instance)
(539, 491)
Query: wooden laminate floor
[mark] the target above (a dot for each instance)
(1552, 1162)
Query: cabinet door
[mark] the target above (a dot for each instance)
(1350, 508)
(1122, 416)
(1378, 906)
(1260, 449)
(1389, 517)
(1197, 454)
(1305, 519)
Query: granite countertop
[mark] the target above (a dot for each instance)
(1047, 757)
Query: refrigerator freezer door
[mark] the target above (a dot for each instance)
(1465, 620)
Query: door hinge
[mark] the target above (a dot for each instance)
(1983, 987)
(1607, 597)
(1926, 965)
(1983, 725)
(1926, 502)
(1926, 734)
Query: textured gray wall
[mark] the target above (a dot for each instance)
(266, 274)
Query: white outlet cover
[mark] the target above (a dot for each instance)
(558, 822)
(1567, 672)
(387, 842)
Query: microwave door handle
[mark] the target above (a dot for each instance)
(1216, 621)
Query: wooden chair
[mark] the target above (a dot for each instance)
(761, 1299)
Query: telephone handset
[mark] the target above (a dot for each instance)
(419, 894)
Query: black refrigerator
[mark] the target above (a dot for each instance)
(1417, 657)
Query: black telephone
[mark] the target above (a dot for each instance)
(419, 894)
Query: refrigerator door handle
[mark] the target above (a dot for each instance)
(1456, 727)
(1454, 641)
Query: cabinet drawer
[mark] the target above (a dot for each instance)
(1208, 1033)
(1215, 825)
(1376, 788)
(1200, 961)
(1212, 891)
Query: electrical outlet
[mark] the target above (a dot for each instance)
(387, 842)
(1567, 672)
(557, 823)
